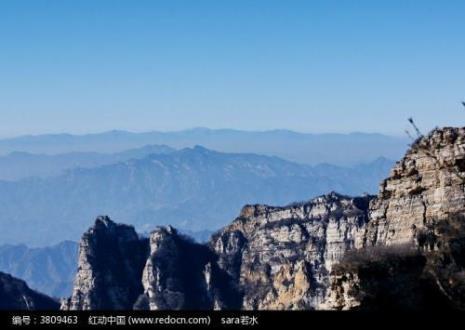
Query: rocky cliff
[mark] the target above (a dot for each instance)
(16, 295)
(413, 256)
(280, 257)
(111, 258)
(427, 185)
(333, 252)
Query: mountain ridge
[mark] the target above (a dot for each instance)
(299, 147)
(295, 257)
(19, 165)
(192, 188)
(49, 270)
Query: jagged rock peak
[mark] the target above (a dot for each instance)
(173, 277)
(120, 271)
(111, 260)
(104, 226)
(105, 221)
(165, 231)
(181, 274)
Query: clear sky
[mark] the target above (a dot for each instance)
(312, 66)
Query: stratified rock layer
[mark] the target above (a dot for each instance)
(420, 208)
(427, 185)
(280, 258)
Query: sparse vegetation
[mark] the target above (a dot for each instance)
(422, 276)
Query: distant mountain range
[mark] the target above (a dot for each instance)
(20, 165)
(193, 189)
(49, 270)
(338, 149)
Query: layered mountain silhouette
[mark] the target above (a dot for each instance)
(402, 249)
(338, 149)
(20, 165)
(193, 189)
(49, 270)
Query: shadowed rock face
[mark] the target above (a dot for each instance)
(295, 257)
(16, 295)
(176, 273)
(111, 259)
(120, 271)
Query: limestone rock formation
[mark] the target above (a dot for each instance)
(118, 270)
(280, 257)
(403, 248)
(420, 210)
(179, 274)
(16, 295)
(111, 259)
(426, 186)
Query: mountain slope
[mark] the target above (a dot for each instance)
(49, 270)
(16, 295)
(194, 189)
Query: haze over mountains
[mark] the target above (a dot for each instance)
(49, 270)
(20, 165)
(337, 149)
(193, 189)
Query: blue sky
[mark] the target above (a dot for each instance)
(312, 66)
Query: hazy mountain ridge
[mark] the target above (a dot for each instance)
(20, 165)
(340, 149)
(193, 188)
(49, 270)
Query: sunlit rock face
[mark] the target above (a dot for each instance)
(268, 258)
(417, 222)
(425, 186)
(280, 258)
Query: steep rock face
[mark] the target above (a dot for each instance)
(16, 295)
(424, 187)
(399, 278)
(178, 273)
(118, 270)
(111, 260)
(281, 257)
(419, 212)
